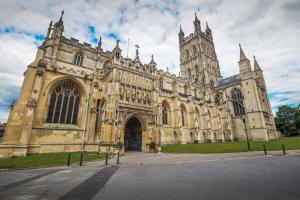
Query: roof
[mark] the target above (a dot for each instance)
(228, 81)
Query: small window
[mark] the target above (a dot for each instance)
(78, 59)
(161, 83)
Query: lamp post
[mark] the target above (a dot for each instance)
(243, 117)
(247, 138)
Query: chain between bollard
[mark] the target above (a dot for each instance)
(264, 146)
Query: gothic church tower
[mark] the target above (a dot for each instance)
(198, 59)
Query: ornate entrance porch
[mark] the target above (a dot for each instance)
(133, 135)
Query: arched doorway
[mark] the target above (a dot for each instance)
(133, 135)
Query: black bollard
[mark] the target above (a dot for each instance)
(106, 158)
(265, 149)
(118, 158)
(81, 159)
(283, 149)
(69, 157)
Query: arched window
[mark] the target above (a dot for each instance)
(106, 65)
(237, 101)
(218, 100)
(183, 116)
(189, 74)
(197, 118)
(174, 86)
(165, 110)
(78, 59)
(161, 83)
(203, 79)
(194, 50)
(64, 104)
(187, 53)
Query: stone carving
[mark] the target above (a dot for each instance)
(31, 103)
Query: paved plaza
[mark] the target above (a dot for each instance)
(248, 175)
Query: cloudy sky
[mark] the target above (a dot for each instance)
(269, 29)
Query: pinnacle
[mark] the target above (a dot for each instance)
(256, 65)
(61, 16)
(242, 54)
(196, 18)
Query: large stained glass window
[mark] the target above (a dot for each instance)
(237, 101)
(64, 104)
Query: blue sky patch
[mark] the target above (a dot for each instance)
(113, 35)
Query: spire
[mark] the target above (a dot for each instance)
(49, 30)
(152, 60)
(256, 66)
(242, 54)
(180, 30)
(196, 18)
(207, 27)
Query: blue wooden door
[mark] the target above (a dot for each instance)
(139, 143)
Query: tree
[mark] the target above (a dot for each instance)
(287, 120)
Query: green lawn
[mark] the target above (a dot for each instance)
(227, 147)
(47, 160)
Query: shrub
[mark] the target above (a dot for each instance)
(152, 145)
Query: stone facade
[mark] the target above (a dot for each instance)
(78, 97)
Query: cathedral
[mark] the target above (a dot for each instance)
(77, 97)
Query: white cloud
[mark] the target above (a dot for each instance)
(268, 29)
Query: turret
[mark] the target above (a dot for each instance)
(197, 24)
(152, 64)
(117, 51)
(181, 36)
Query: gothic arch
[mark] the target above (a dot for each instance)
(140, 117)
(166, 113)
(78, 57)
(64, 102)
(184, 115)
(237, 102)
(198, 117)
(53, 84)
